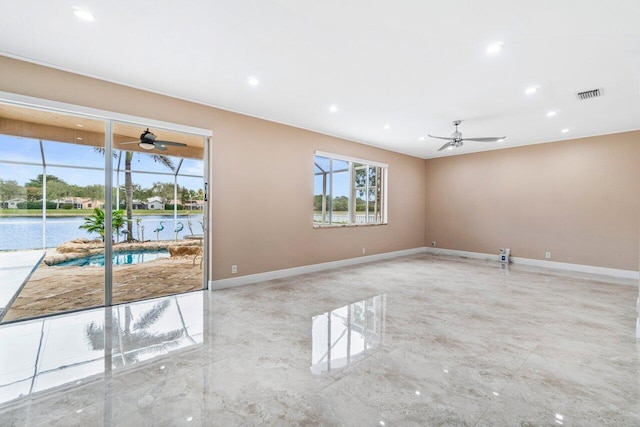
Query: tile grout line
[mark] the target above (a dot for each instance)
(506, 385)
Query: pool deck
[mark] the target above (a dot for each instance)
(15, 270)
(39, 289)
(83, 248)
(55, 289)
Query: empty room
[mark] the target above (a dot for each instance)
(409, 213)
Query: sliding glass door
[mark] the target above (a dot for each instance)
(96, 212)
(158, 215)
(51, 175)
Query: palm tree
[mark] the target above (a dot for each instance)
(133, 337)
(94, 223)
(128, 185)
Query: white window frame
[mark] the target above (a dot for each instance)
(383, 179)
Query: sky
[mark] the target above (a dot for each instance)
(28, 150)
(341, 180)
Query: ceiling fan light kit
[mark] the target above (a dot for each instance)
(148, 141)
(456, 139)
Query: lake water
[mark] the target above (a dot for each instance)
(26, 232)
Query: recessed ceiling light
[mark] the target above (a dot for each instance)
(449, 148)
(551, 113)
(333, 108)
(565, 130)
(417, 392)
(494, 48)
(253, 81)
(421, 138)
(79, 138)
(79, 125)
(501, 140)
(387, 127)
(83, 14)
(530, 90)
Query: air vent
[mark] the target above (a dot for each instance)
(588, 94)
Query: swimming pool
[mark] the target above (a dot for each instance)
(119, 258)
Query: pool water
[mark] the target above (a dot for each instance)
(119, 258)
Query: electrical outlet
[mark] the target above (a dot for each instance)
(547, 255)
(234, 269)
(433, 243)
(363, 250)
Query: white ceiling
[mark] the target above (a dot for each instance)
(415, 65)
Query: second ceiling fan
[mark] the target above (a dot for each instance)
(456, 139)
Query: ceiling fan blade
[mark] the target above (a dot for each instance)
(488, 139)
(448, 144)
(161, 147)
(175, 144)
(439, 137)
(130, 142)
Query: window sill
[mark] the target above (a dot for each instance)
(347, 225)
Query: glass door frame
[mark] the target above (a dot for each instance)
(109, 119)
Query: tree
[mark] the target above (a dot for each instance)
(94, 223)
(128, 184)
(95, 191)
(340, 203)
(140, 193)
(164, 190)
(136, 337)
(185, 194)
(37, 182)
(33, 194)
(375, 190)
(9, 189)
(56, 188)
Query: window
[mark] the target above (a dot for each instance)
(348, 191)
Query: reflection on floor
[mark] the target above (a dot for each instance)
(59, 289)
(419, 340)
(347, 334)
(46, 353)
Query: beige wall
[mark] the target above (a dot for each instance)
(261, 176)
(579, 199)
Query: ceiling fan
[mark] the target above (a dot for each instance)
(148, 141)
(456, 139)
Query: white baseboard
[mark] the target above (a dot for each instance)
(462, 254)
(592, 269)
(605, 271)
(287, 272)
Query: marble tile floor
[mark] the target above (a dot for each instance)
(415, 341)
